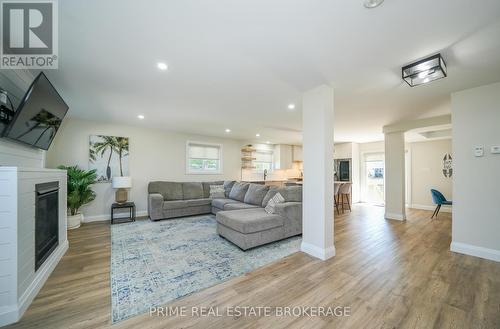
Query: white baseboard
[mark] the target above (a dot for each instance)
(471, 250)
(427, 207)
(107, 217)
(13, 313)
(317, 252)
(389, 215)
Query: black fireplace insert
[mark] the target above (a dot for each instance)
(46, 221)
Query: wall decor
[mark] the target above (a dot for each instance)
(109, 156)
(447, 165)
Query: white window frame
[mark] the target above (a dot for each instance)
(190, 171)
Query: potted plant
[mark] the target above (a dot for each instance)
(79, 193)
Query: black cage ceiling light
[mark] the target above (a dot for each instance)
(425, 70)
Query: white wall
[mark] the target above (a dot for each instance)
(395, 176)
(154, 155)
(18, 155)
(426, 172)
(372, 147)
(356, 172)
(476, 183)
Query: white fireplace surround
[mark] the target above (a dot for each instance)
(19, 283)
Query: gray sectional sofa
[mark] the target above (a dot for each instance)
(241, 217)
(174, 199)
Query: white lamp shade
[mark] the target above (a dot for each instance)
(121, 182)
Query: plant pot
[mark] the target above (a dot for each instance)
(74, 221)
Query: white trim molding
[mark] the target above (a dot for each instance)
(471, 250)
(444, 208)
(107, 217)
(395, 216)
(317, 252)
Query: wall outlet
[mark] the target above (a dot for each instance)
(478, 151)
(495, 149)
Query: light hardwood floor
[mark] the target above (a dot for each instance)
(391, 274)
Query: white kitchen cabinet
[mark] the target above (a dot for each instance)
(342, 151)
(297, 153)
(282, 156)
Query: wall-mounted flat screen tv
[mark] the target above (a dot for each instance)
(38, 116)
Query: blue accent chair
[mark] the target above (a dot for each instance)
(439, 200)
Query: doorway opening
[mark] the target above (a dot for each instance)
(372, 184)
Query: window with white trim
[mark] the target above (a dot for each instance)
(263, 161)
(203, 158)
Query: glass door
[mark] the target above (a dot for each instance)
(373, 189)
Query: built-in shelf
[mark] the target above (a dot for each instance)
(247, 157)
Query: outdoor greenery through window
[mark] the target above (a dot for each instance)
(203, 158)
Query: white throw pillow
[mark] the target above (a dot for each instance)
(271, 204)
(217, 192)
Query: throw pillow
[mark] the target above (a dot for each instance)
(271, 205)
(217, 192)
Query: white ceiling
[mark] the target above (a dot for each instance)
(238, 64)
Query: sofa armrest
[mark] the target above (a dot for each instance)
(155, 206)
(292, 212)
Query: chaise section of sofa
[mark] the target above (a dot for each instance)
(251, 226)
(178, 199)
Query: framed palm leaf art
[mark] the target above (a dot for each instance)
(109, 156)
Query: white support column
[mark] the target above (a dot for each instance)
(317, 211)
(395, 175)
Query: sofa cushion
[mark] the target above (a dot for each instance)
(192, 190)
(176, 204)
(255, 194)
(238, 191)
(249, 220)
(220, 203)
(198, 202)
(217, 192)
(289, 193)
(228, 185)
(206, 187)
(238, 205)
(169, 190)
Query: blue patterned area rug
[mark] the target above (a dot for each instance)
(153, 263)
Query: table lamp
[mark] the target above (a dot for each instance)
(121, 183)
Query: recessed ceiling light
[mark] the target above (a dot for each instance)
(257, 135)
(372, 3)
(228, 130)
(140, 116)
(268, 142)
(162, 66)
(291, 106)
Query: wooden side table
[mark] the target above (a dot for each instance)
(129, 205)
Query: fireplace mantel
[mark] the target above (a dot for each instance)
(19, 282)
